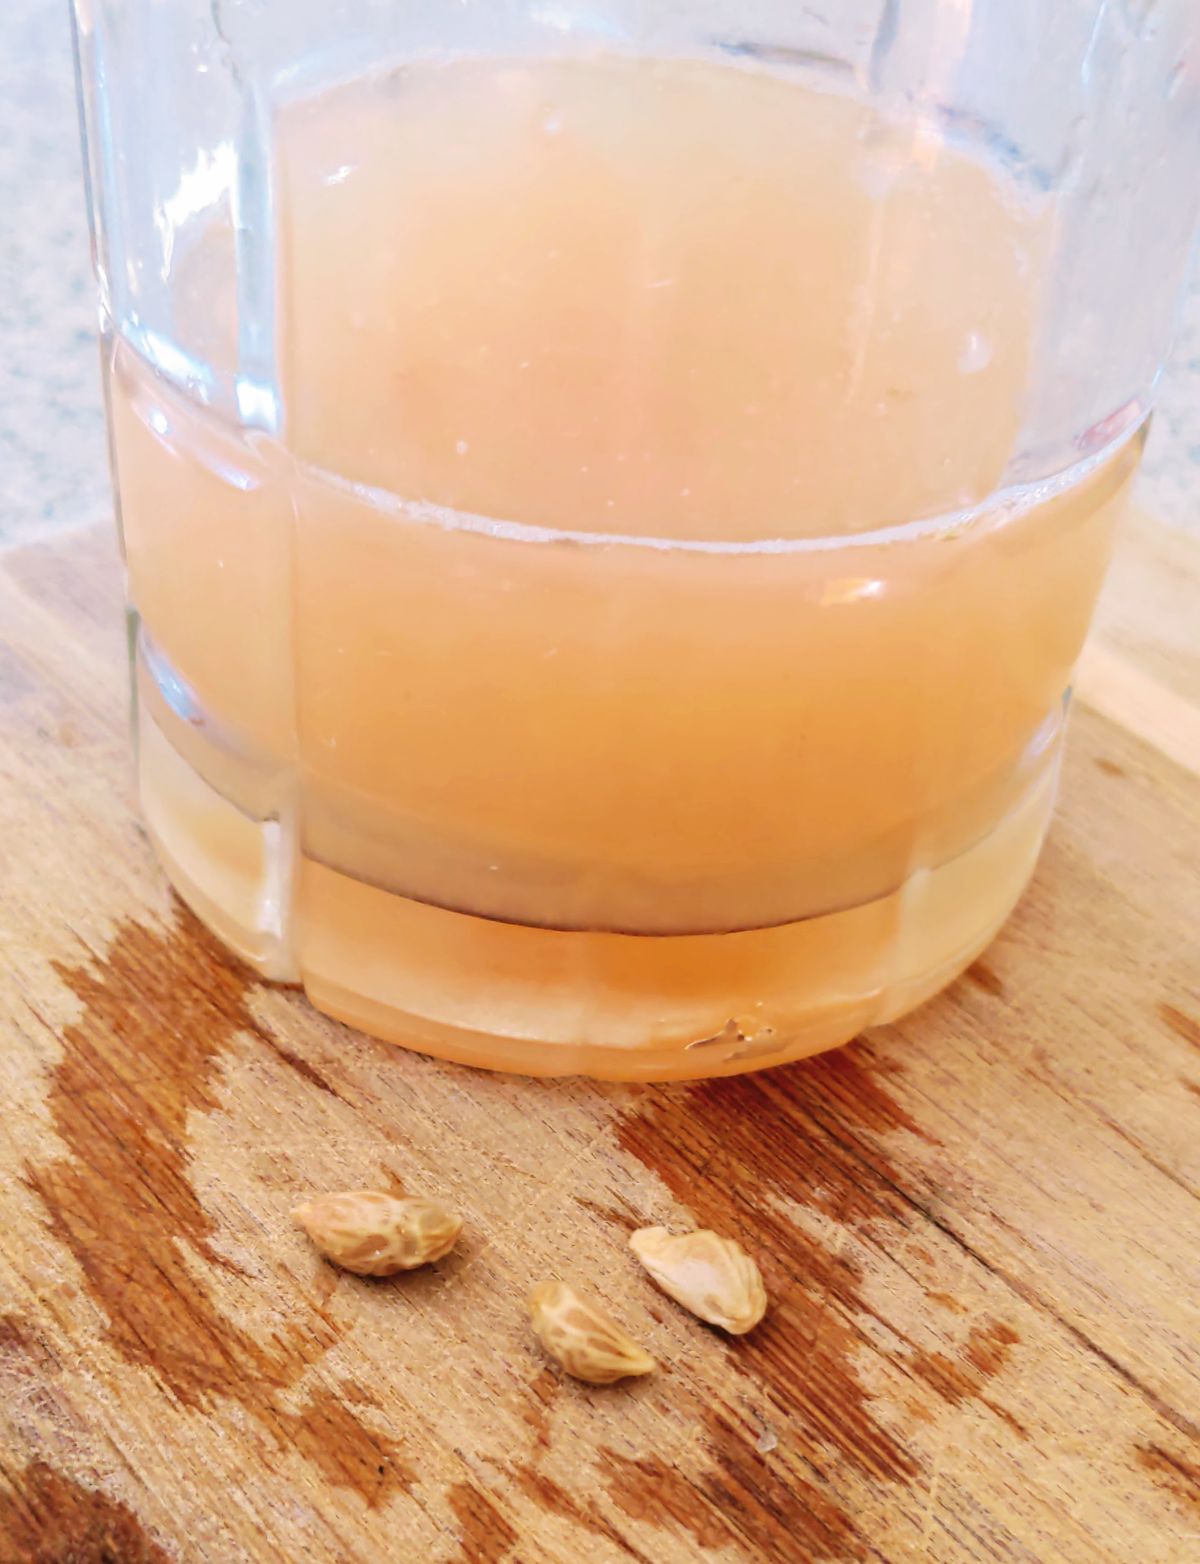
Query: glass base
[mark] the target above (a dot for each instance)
(541, 1001)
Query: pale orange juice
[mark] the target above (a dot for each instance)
(620, 657)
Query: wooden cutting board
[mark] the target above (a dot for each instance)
(979, 1228)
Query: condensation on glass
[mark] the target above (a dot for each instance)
(612, 494)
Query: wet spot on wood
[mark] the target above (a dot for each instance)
(536, 1405)
(985, 978)
(1174, 1474)
(1006, 1417)
(955, 1380)
(21, 1350)
(624, 1221)
(553, 1499)
(535, 1408)
(294, 1061)
(747, 1502)
(485, 1536)
(48, 1518)
(989, 1346)
(919, 1411)
(29, 1373)
(947, 1300)
(159, 1011)
(348, 1454)
(810, 1134)
(157, 1015)
(779, 1509)
(650, 1490)
(1182, 1024)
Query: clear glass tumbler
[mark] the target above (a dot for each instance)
(613, 493)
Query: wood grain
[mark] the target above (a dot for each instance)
(979, 1228)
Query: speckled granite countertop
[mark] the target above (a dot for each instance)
(52, 455)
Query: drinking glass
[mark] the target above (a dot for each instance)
(613, 492)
